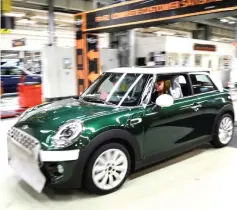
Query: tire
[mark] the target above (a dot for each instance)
(224, 131)
(103, 174)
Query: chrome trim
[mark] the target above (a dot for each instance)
(57, 156)
(23, 140)
(135, 121)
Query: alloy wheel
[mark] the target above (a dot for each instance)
(225, 130)
(109, 169)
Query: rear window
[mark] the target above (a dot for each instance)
(201, 83)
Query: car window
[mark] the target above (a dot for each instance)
(176, 85)
(201, 83)
(15, 71)
(10, 71)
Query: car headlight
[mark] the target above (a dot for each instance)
(67, 134)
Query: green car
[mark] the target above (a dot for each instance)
(127, 119)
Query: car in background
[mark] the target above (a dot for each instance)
(11, 76)
(118, 125)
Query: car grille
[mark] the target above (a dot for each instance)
(24, 141)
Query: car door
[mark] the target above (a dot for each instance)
(173, 126)
(34, 78)
(11, 78)
(209, 101)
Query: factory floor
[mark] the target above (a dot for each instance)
(204, 179)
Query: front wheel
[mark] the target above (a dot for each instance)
(224, 131)
(108, 169)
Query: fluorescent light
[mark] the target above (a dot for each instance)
(166, 33)
(215, 39)
(40, 17)
(231, 22)
(8, 55)
(14, 14)
(65, 20)
(26, 21)
(224, 20)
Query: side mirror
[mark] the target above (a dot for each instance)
(165, 100)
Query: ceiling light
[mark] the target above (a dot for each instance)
(40, 17)
(224, 20)
(8, 55)
(65, 20)
(231, 18)
(231, 22)
(166, 33)
(215, 39)
(26, 21)
(14, 14)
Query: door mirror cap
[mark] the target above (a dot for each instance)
(164, 100)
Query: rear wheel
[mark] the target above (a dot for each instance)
(108, 169)
(224, 131)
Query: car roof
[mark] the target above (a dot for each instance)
(158, 70)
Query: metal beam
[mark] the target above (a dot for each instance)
(45, 7)
(210, 23)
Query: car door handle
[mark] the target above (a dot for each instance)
(196, 107)
(135, 121)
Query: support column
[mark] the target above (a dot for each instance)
(52, 39)
(132, 45)
(236, 41)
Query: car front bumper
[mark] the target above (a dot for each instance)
(39, 168)
(61, 168)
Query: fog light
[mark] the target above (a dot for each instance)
(60, 169)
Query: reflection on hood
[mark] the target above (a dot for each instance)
(41, 109)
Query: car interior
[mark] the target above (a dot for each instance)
(201, 83)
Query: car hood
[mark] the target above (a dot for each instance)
(62, 111)
(43, 121)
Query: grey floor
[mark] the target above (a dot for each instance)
(203, 179)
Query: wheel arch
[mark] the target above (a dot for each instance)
(227, 109)
(120, 136)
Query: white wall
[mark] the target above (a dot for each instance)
(104, 40)
(58, 79)
(33, 42)
(180, 46)
(185, 45)
(145, 45)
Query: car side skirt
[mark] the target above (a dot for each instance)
(173, 152)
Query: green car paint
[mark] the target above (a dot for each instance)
(157, 133)
(188, 120)
(95, 119)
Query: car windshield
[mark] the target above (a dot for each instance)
(117, 89)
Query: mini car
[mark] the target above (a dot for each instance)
(121, 123)
(11, 77)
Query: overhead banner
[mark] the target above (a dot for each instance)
(140, 12)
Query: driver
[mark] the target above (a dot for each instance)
(161, 87)
(171, 87)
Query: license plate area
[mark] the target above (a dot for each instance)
(26, 164)
(29, 172)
